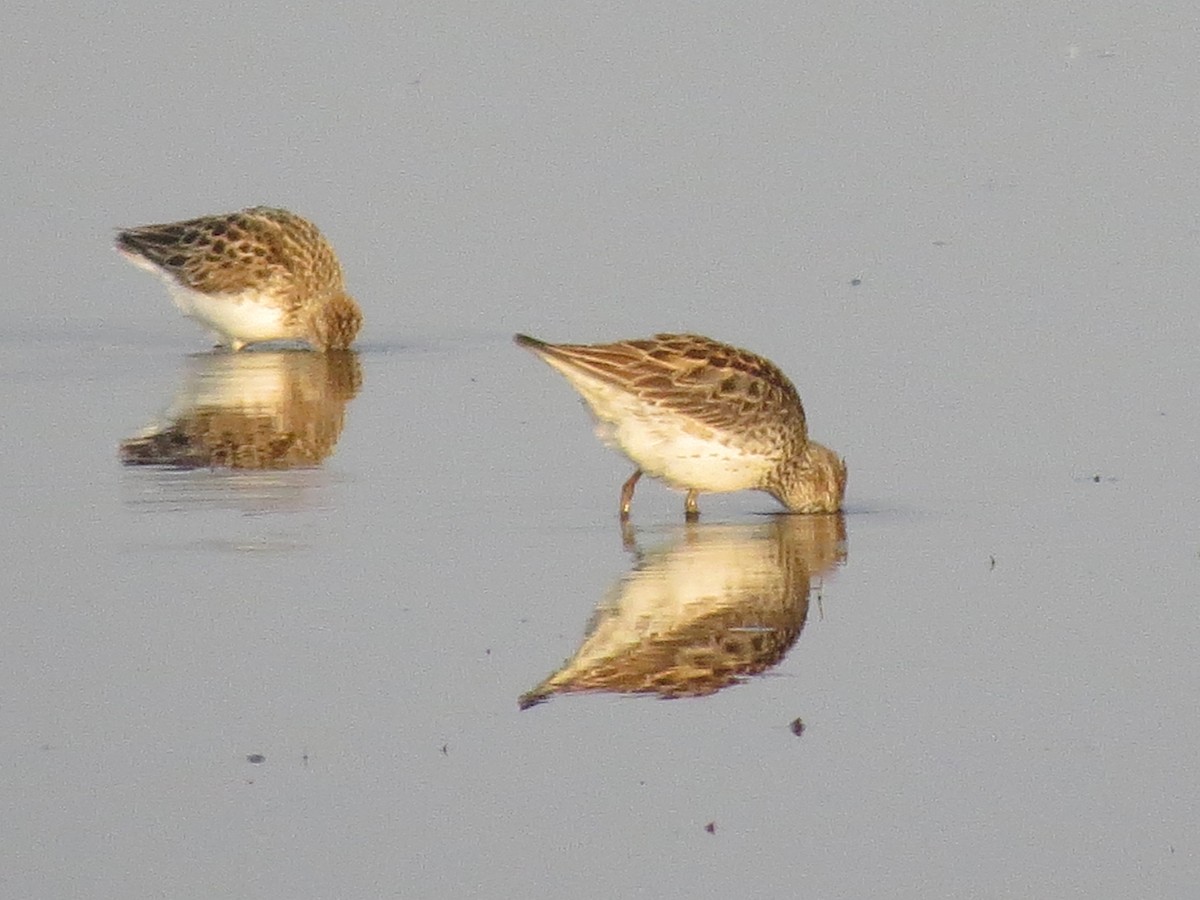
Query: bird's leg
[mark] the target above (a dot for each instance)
(691, 512)
(628, 536)
(627, 493)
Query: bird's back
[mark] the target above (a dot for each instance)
(708, 382)
(251, 250)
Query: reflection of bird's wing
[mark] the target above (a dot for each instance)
(691, 619)
(253, 411)
(712, 383)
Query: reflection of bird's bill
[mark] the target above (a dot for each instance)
(708, 608)
(252, 410)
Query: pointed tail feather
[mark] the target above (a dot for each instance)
(532, 343)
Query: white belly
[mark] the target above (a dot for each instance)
(662, 447)
(244, 317)
(683, 453)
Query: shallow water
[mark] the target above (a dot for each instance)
(994, 667)
(987, 676)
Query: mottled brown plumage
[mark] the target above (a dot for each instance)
(702, 416)
(260, 274)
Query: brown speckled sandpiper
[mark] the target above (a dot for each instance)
(260, 274)
(702, 416)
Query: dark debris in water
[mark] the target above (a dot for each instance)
(256, 758)
(711, 827)
(797, 726)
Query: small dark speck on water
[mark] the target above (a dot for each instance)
(256, 758)
(711, 827)
(855, 282)
(797, 727)
(991, 563)
(445, 749)
(1095, 479)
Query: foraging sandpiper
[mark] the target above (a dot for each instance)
(702, 416)
(260, 274)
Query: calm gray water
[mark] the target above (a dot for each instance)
(969, 236)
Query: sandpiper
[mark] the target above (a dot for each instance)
(702, 416)
(260, 274)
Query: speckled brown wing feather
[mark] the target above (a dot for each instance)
(714, 383)
(252, 249)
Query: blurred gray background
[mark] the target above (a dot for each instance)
(967, 232)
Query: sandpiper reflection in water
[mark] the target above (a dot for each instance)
(701, 415)
(260, 274)
(261, 410)
(716, 605)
